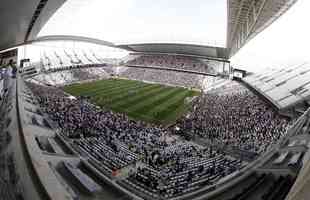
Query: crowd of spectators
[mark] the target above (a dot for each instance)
(80, 119)
(179, 166)
(234, 116)
(182, 79)
(70, 74)
(230, 115)
(172, 61)
(49, 69)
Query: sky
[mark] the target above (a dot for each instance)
(140, 21)
(284, 43)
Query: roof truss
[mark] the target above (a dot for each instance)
(247, 18)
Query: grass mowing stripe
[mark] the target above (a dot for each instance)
(103, 84)
(120, 102)
(126, 95)
(97, 87)
(140, 97)
(171, 110)
(124, 103)
(106, 86)
(157, 100)
(120, 91)
(150, 102)
(89, 84)
(77, 86)
(169, 118)
(139, 107)
(182, 95)
(153, 115)
(111, 88)
(84, 87)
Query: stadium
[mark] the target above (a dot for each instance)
(133, 113)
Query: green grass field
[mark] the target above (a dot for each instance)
(153, 103)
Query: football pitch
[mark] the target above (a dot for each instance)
(153, 103)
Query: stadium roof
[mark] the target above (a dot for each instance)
(247, 18)
(186, 49)
(49, 38)
(217, 53)
(21, 22)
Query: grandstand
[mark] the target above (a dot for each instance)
(166, 121)
(287, 88)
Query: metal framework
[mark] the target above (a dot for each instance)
(247, 18)
(70, 38)
(35, 16)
